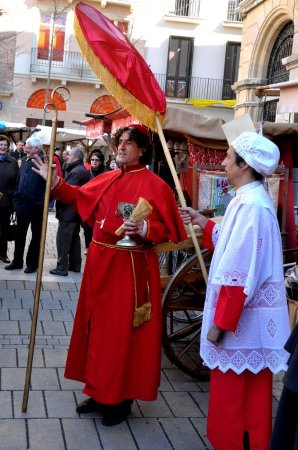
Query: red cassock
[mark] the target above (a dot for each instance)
(114, 359)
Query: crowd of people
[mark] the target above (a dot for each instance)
(115, 348)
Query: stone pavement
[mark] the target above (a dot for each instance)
(177, 420)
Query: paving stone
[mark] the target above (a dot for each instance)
(45, 434)
(165, 385)
(44, 314)
(3, 284)
(68, 286)
(61, 404)
(202, 399)
(181, 433)
(12, 379)
(4, 314)
(74, 295)
(24, 293)
(180, 381)
(81, 434)
(15, 284)
(147, 431)
(44, 379)
(29, 284)
(55, 357)
(53, 328)
(25, 327)
(19, 314)
(182, 405)
(7, 294)
(27, 303)
(6, 406)
(50, 285)
(159, 408)
(117, 437)
(165, 362)
(13, 434)
(35, 406)
(11, 327)
(22, 355)
(48, 303)
(64, 340)
(201, 426)
(69, 327)
(46, 295)
(8, 357)
(11, 302)
(68, 304)
(60, 295)
(63, 315)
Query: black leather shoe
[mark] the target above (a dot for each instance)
(61, 273)
(88, 406)
(5, 259)
(13, 266)
(29, 270)
(115, 414)
(74, 270)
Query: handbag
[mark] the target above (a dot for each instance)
(12, 229)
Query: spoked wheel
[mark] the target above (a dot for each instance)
(182, 315)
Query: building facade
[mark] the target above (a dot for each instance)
(192, 47)
(269, 54)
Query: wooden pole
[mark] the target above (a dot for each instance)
(181, 196)
(40, 267)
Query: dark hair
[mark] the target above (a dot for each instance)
(96, 151)
(4, 138)
(239, 161)
(141, 139)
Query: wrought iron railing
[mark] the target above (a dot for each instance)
(195, 87)
(231, 14)
(73, 66)
(185, 8)
(68, 64)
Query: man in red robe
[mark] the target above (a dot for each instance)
(117, 360)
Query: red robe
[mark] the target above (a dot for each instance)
(115, 360)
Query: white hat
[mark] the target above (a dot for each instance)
(257, 151)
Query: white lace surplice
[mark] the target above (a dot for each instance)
(248, 253)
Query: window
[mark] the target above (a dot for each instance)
(179, 67)
(231, 69)
(31, 122)
(50, 23)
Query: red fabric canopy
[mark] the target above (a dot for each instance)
(118, 64)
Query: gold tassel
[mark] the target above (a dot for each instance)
(136, 108)
(142, 314)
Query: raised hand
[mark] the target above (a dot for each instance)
(41, 168)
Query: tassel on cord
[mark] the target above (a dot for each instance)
(142, 314)
(136, 108)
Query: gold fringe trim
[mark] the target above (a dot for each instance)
(142, 314)
(136, 108)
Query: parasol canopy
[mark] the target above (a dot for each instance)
(119, 65)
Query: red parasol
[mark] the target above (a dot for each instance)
(128, 78)
(118, 64)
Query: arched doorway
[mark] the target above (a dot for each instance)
(276, 71)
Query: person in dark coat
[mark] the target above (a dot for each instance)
(8, 178)
(97, 167)
(28, 203)
(68, 235)
(285, 431)
(19, 152)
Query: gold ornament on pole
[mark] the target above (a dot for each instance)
(64, 95)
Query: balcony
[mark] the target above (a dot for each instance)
(232, 15)
(65, 65)
(183, 11)
(71, 66)
(185, 87)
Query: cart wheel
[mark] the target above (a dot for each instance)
(182, 315)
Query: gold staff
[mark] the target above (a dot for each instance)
(64, 95)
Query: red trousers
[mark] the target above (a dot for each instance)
(240, 403)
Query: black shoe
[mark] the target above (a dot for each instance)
(13, 266)
(115, 414)
(5, 259)
(61, 273)
(88, 406)
(29, 269)
(74, 270)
